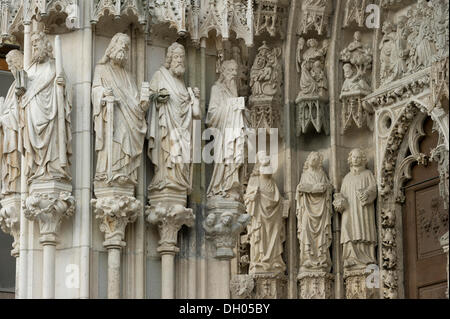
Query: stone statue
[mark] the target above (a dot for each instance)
(356, 203)
(172, 112)
(119, 115)
(266, 231)
(9, 128)
(387, 53)
(226, 114)
(357, 59)
(313, 198)
(310, 64)
(46, 106)
(266, 73)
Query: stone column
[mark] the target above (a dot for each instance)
(48, 203)
(115, 207)
(444, 245)
(224, 222)
(167, 210)
(10, 224)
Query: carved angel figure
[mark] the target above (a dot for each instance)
(310, 64)
(313, 197)
(355, 202)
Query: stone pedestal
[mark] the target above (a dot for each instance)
(355, 112)
(311, 114)
(167, 210)
(48, 203)
(315, 285)
(265, 112)
(270, 286)
(358, 284)
(10, 219)
(242, 287)
(115, 207)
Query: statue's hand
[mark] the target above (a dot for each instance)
(60, 81)
(20, 91)
(196, 92)
(163, 96)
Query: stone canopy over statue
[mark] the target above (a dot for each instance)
(119, 115)
(171, 116)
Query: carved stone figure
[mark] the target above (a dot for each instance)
(312, 97)
(420, 39)
(9, 129)
(119, 115)
(313, 196)
(387, 52)
(266, 73)
(310, 64)
(46, 109)
(355, 202)
(226, 114)
(357, 58)
(266, 208)
(170, 125)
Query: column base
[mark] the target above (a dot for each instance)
(315, 285)
(356, 285)
(270, 286)
(242, 287)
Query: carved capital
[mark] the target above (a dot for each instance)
(10, 219)
(169, 219)
(115, 213)
(357, 287)
(49, 209)
(223, 224)
(270, 286)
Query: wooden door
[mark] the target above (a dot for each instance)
(424, 221)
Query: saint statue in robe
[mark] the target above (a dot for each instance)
(9, 129)
(266, 230)
(119, 115)
(356, 203)
(313, 197)
(172, 111)
(45, 116)
(226, 115)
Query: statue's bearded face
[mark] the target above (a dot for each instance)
(177, 63)
(348, 72)
(229, 73)
(119, 52)
(39, 51)
(314, 161)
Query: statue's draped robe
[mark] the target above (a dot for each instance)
(358, 232)
(170, 134)
(314, 223)
(228, 143)
(129, 126)
(266, 230)
(40, 105)
(9, 154)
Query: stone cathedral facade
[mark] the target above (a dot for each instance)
(239, 149)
